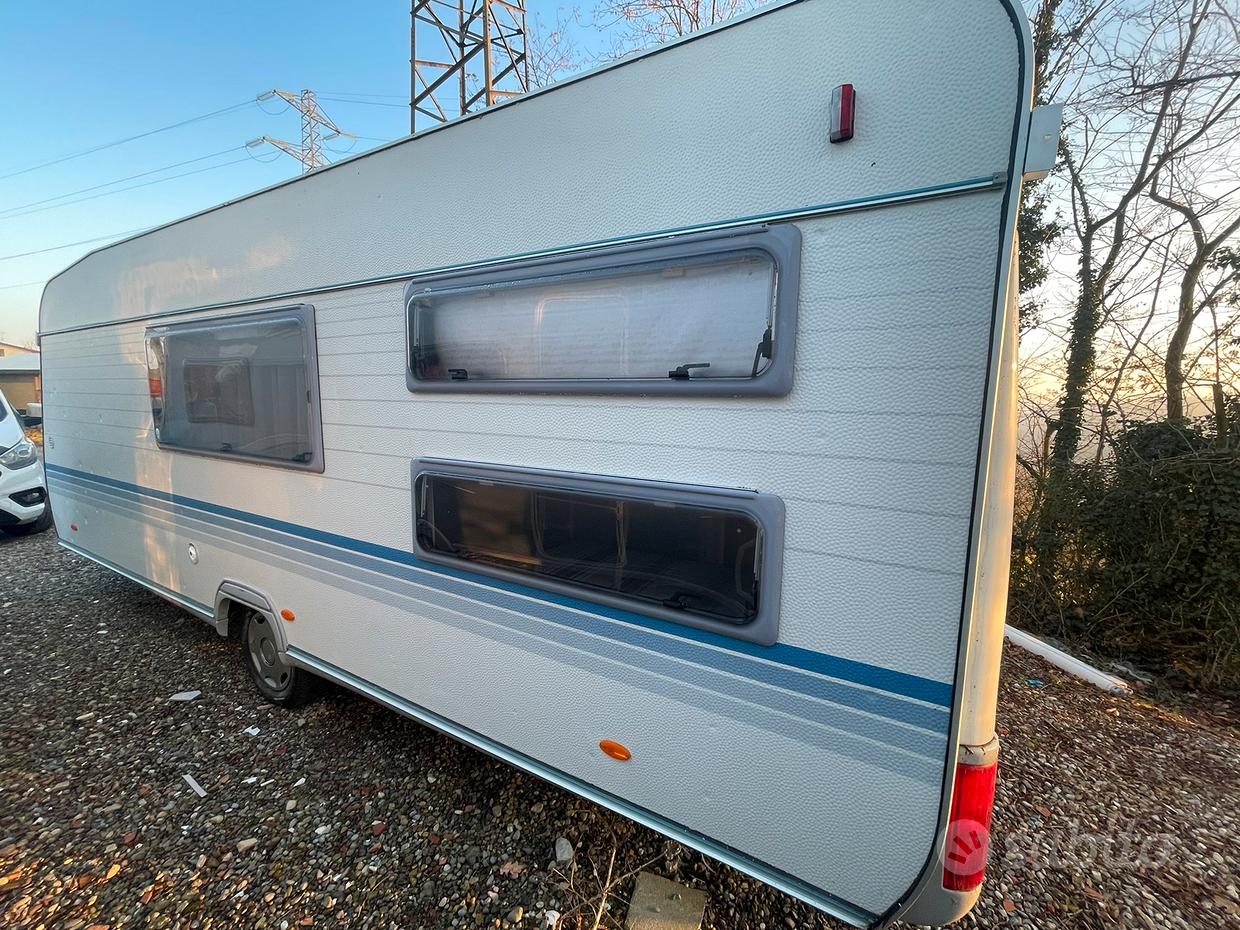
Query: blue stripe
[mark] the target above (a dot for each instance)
(782, 654)
(677, 657)
(836, 727)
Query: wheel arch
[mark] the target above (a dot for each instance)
(232, 598)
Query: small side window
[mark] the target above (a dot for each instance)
(242, 386)
(707, 557)
(706, 314)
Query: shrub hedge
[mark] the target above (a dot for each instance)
(1145, 559)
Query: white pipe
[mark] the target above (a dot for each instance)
(1070, 664)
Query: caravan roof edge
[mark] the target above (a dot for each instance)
(968, 185)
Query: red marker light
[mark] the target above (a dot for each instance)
(968, 829)
(843, 111)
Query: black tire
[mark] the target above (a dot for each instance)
(29, 529)
(280, 683)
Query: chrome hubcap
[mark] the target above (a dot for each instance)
(264, 655)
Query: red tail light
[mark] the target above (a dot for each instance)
(843, 111)
(156, 386)
(968, 828)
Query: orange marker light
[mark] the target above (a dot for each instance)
(288, 615)
(615, 750)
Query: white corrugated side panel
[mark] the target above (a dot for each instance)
(873, 451)
(874, 456)
(877, 481)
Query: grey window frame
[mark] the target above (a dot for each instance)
(767, 510)
(303, 314)
(782, 243)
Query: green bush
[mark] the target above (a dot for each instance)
(1145, 559)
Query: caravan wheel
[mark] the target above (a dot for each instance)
(276, 679)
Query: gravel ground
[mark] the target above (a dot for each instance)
(1112, 812)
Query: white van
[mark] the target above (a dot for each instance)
(669, 460)
(23, 491)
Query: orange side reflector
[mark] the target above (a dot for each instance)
(615, 750)
(288, 615)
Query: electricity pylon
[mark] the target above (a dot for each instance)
(313, 121)
(450, 34)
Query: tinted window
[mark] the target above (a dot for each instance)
(679, 557)
(241, 386)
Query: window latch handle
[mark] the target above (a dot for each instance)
(682, 371)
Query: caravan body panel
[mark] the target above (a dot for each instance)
(819, 757)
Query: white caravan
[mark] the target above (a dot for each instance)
(668, 459)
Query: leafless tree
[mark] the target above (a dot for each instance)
(1203, 185)
(638, 24)
(1206, 277)
(1148, 103)
(553, 51)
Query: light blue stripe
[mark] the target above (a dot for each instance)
(926, 717)
(682, 639)
(831, 710)
(907, 752)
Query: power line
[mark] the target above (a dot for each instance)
(84, 190)
(141, 135)
(6, 287)
(340, 93)
(368, 103)
(131, 187)
(66, 245)
(352, 149)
